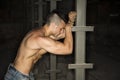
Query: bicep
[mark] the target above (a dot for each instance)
(51, 45)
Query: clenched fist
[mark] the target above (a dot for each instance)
(72, 16)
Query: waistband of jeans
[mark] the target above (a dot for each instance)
(11, 67)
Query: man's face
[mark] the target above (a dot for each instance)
(59, 29)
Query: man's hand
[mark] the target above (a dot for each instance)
(72, 16)
(60, 36)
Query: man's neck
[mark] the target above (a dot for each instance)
(46, 30)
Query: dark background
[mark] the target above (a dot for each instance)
(102, 45)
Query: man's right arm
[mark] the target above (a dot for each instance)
(57, 47)
(60, 36)
(53, 46)
(36, 42)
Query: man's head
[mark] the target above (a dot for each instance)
(56, 15)
(56, 21)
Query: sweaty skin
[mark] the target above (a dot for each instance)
(39, 41)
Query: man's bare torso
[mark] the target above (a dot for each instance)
(27, 56)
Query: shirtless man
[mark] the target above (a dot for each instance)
(41, 40)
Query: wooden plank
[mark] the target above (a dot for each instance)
(82, 28)
(53, 71)
(54, 0)
(80, 66)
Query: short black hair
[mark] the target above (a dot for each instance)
(59, 13)
(62, 15)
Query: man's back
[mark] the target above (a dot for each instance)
(27, 54)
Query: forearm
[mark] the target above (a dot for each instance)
(53, 37)
(68, 41)
(56, 38)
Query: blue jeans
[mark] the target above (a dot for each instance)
(13, 74)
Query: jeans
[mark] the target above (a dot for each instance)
(13, 74)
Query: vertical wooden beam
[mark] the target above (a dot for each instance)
(80, 39)
(32, 11)
(40, 13)
(53, 57)
(53, 4)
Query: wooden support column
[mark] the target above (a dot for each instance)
(32, 11)
(80, 38)
(37, 13)
(40, 13)
(53, 57)
(53, 70)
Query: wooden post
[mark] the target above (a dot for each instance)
(53, 69)
(80, 38)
